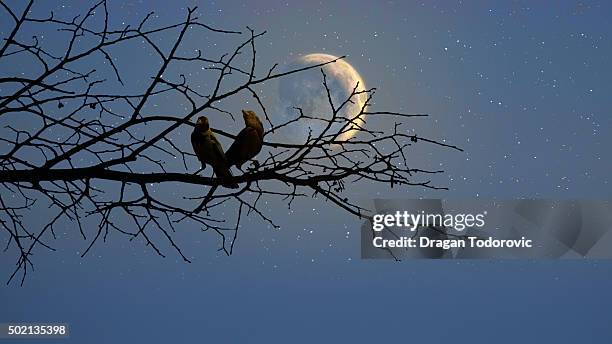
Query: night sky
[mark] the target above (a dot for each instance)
(521, 86)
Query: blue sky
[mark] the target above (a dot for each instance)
(521, 86)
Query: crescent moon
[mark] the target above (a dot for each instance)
(349, 78)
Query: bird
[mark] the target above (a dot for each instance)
(248, 142)
(209, 151)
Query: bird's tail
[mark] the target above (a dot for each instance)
(223, 172)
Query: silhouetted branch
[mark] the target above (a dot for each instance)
(92, 157)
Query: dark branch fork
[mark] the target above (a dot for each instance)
(84, 159)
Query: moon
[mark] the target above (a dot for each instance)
(306, 91)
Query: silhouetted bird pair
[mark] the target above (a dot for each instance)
(245, 147)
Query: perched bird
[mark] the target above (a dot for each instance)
(209, 151)
(248, 142)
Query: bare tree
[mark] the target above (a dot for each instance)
(67, 148)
